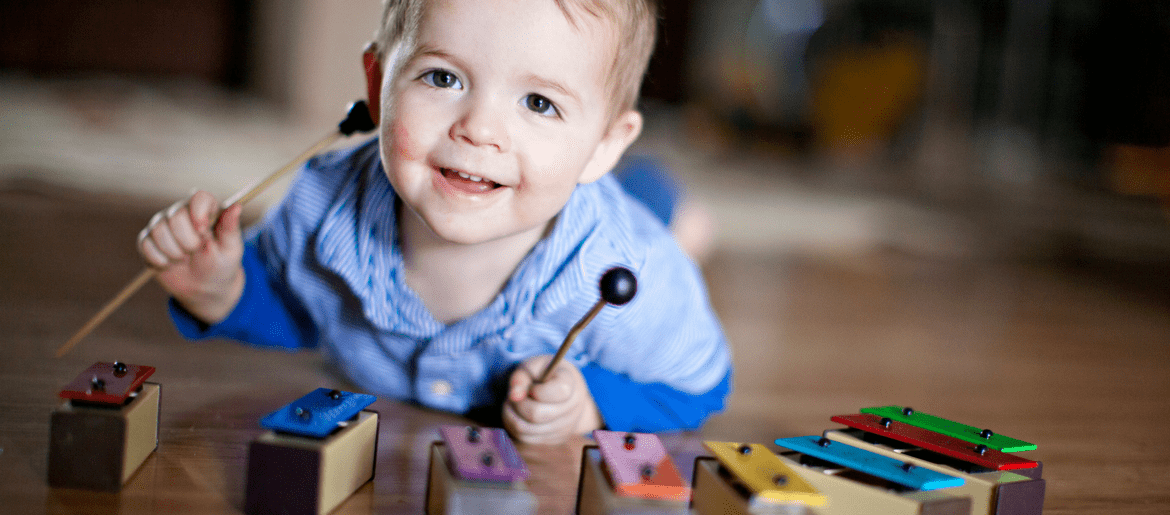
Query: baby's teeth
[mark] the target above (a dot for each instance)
(469, 177)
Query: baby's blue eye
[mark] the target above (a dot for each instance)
(540, 105)
(442, 79)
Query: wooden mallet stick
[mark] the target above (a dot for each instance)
(618, 285)
(356, 120)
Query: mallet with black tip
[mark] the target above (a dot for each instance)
(618, 285)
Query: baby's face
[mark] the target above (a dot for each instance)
(497, 116)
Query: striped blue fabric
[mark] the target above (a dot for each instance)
(330, 249)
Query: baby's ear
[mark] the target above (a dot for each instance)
(372, 62)
(622, 132)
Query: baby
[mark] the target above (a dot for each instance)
(443, 262)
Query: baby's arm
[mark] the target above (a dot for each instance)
(549, 412)
(199, 267)
(652, 407)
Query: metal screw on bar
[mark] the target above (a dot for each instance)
(97, 384)
(907, 466)
(824, 442)
(980, 449)
(303, 414)
(487, 459)
(886, 422)
(907, 411)
(780, 480)
(647, 471)
(986, 434)
(472, 434)
(629, 439)
(335, 394)
(119, 368)
(745, 449)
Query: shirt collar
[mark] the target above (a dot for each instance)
(358, 242)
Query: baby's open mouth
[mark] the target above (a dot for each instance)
(468, 181)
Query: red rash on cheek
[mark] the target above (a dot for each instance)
(402, 144)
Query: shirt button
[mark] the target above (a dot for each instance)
(442, 388)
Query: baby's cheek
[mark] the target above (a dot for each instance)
(403, 146)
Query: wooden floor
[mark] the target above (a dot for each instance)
(1070, 359)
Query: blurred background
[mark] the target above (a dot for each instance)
(1019, 129)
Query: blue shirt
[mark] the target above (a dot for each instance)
(324, 269)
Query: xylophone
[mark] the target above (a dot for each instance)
(322, 447)
(748, 478)
(997, 482)
(476, 470)
(105, 428)
(629, 473)
(889, 460)
(319, 449)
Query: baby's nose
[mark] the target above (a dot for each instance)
(483, 125)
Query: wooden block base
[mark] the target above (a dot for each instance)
(98, 447)
(595, 494)
(449, 495)
(716, 492)
(289, 474)
(1020, 497)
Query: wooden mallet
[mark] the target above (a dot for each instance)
(356, 120)
(618, 285)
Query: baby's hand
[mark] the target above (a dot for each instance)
(550, 412)
(201, 269)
